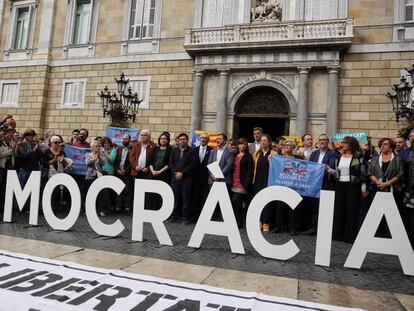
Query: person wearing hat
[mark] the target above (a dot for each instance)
(29, 154)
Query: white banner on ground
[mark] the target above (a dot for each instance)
(33, 283)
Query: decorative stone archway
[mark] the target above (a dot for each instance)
(261, 106)
(263, 103)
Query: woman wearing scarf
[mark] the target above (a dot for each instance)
(261, 159)
(385, 173)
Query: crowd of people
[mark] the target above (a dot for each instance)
(356, 173)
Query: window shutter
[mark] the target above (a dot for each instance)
(211, 13)
(308, 10)
(68, 93)
(151, 19)
(334, 9)
(79, 93)
(139, 18)
(316, 9)
(227, 12)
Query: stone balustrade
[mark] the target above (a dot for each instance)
(289, 33)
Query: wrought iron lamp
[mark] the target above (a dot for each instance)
(402, 103)
(121, 105)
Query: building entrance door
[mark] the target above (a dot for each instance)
(263, 107)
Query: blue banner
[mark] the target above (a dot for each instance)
(78, 157)
(302, 176)
(116, 134)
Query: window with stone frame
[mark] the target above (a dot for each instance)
(142, 19)
(9, 93)
(321, 9)
(81, 22)
(404, 18)
(141, 85)
(73, 93)
(22, 23)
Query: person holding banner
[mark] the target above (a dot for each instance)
(385, 172)
(325, 156)
(242, 179)
(261, 175)
(349, 175)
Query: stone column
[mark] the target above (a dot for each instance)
(221, 117)
(302, 115)
(197, 103)
(332, 107)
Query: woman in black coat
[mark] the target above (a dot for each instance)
(242, 179)
(159, 166)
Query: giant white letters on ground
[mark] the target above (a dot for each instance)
(383, 205)
(32, 189)
(399, 245)
(155, 218)
(69, 220)
(267, 195)
(90, 205)
(228, 227)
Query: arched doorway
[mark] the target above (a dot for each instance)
(261, 106)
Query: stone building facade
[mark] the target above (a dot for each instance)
(291, 66)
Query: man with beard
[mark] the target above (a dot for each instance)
(123, 171)
(400, 144)
(80, 179)
(182, 163)
(326, 156)
(82, 143)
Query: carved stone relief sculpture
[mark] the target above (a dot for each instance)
(267, 11)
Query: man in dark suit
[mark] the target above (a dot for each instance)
(201, 188)
(225, 158)
(326, 156)
(182, 164)
(123, 172)
(407, 156)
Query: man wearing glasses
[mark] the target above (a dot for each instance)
(326, 156)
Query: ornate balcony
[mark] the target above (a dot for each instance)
(336, 33)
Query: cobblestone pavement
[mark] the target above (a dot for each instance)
(379, 272)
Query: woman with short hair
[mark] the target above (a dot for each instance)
(385, 172)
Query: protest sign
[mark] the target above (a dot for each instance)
(116, 133)
(77, 155)
(303, 176)
(338, 137)
(296, 139)
(195, 141)
(34, 283)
